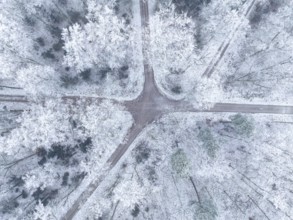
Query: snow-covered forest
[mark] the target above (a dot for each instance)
(146, 109)
(208, 166)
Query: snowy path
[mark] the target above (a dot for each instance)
(225, 45)
(143, 108)
(13, 98)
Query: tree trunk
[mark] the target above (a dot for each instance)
(112, 217)
(197, 194)
(259, 208)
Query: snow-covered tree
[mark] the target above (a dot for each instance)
(208, 142)
(172, 41)
(43, 213)
(180, 163)
(39, 80)
(242, 124)
(129, 193)
(102, 42)
(15, 45)
(42, 177)
(32, 6)
(96, 117)
(172, 48)
(218, 22)
(41, 126)
(98, 208)
(206, 91)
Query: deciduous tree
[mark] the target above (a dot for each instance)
(102, 42)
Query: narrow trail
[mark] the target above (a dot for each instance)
(13, 98)
(227, 42)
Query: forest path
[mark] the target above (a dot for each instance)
(225, 45)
